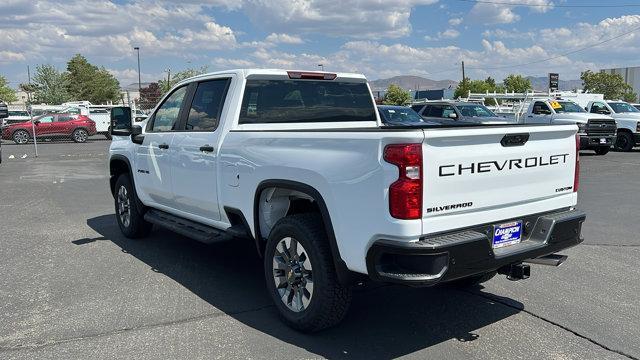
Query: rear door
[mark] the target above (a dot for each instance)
(62, 125)
(476, 172)
(195, 169)
(154, 156)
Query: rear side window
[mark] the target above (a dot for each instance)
(166, 118)
(297, 101)
(206, 106)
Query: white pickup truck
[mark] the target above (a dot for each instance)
(597, 132)
(300, 163)
(627, 120)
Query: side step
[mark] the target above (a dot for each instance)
(188, 228)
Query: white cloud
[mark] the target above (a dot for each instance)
(10, 56)
(490, 13)
(284, 38)
(455, 21)
(353, 18)
(448, 34)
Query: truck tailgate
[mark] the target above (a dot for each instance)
(477, 174)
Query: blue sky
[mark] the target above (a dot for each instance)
(378, 38)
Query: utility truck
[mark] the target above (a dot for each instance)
(597, 131)
(627, 120)
(300, 164)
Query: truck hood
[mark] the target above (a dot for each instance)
(580, 117)
(630, 116)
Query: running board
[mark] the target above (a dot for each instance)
(188, 228)
(549, 260)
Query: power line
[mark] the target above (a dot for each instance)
(550, 5)
(558, 56)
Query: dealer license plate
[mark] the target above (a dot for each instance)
(603, 141)
(507, 234)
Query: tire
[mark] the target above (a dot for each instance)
(129, 215)
(80, 135)
(602, 150)
(474, 280)
(108, 134)
(21, 137)
(323, 301)
(624, 141)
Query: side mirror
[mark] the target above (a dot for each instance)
(453, 115)
(121, 121)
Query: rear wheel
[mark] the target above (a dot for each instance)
(603, 150)
(624, 141)
(301, 276)
(21, 137)
(108, 134)
(129, 215)
(80, 135)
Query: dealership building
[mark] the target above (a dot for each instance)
(631, 76)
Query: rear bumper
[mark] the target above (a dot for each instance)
(461, 253)
(593, 141)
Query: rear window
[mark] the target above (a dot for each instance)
(297, 101)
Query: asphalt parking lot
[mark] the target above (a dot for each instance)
(72, 287)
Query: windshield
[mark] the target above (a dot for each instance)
(399, 115)
(566, 107)
(621, 107)
(475, 110)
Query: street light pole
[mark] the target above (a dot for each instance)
(139, 79)
(168, 70)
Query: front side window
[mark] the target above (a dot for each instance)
(166, 118)
(46, 119)
(441, 111)
(541, 108)
(400, 115)
(207, 105)
(296, 101)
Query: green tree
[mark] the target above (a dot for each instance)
(179, 76)
(612, 86)
(476, 86)
(149, 96)
(49, 86)
(517, 83)
(88, 82)
(396, 96)
(7, 94)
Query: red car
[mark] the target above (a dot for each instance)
(75, 127)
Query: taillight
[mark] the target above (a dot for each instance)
(576, 175)
(405, 194)
(311, 75)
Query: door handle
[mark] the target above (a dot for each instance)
(206, 148)
(163, 146)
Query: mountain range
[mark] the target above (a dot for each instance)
(411, 82)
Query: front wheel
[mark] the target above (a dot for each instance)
(624, 141)
(603, 150)
(21, 137)
(301, 277)
(80, 135)
(129, 215)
